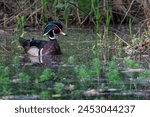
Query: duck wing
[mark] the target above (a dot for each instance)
(27, 43)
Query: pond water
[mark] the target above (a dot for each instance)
(80, 73)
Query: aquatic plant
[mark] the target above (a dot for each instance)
(5, 82)
(113, 74)
(76, 94)
(130, 28)
(130, 63)
(144, 74)
(108, 16)
(96, 65)
(15, 60)
(58, 87)
(44, 95)
(66, 13)
(95, 7)
(45, 10)
(85, 73)
(46, 75)
(24, 77)
(20, 23)
(71, 60)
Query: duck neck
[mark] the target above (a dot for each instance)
(52, 38)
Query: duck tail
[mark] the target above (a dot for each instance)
(25, 43)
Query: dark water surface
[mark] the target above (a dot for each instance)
(70, 76)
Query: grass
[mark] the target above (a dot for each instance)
(20, 24)
(45, 12)
(95, 7)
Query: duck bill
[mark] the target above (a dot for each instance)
(62, 33)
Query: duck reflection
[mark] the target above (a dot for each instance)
(50, 61)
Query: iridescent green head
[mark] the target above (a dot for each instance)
(53, 28)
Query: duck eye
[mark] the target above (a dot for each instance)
(56, 30)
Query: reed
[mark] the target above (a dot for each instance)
(20, 24)
(130, 28)
(66, 13)
(45, 11)
(95, 5)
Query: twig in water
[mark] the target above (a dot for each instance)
(122, 40)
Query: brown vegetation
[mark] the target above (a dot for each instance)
(33, 10)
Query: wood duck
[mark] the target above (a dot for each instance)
(42, 47)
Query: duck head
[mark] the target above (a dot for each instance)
(53, 28)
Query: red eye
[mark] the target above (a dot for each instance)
(56, 30)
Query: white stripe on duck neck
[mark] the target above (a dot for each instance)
(52, 38)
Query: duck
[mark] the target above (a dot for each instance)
(42, 47)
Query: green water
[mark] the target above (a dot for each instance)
(77, 74)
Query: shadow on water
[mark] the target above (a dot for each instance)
(77, 74)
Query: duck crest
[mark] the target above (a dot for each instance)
(42, 47)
